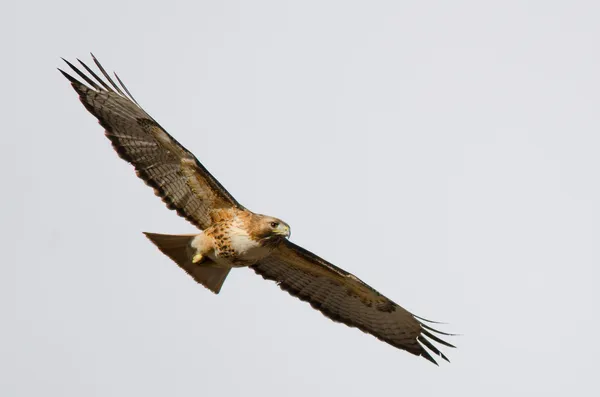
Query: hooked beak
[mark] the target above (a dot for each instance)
(284, 230)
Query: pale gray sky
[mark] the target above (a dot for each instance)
(444, 152)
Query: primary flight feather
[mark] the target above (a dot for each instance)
(233, 236)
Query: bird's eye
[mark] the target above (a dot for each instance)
(274, 224)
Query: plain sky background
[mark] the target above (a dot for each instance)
(444, 152)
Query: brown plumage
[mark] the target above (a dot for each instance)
(232, 236)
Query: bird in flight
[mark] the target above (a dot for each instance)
(232, 236)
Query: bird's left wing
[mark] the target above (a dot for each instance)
(344, 298)
(162, 162)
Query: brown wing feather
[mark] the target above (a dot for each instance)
(162, 162)
(344, 298)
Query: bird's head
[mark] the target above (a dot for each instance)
(269, 228)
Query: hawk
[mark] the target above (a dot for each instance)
(232, 236)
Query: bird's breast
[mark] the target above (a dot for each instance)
(246, 248)
(235, 248)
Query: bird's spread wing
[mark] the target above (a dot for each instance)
(342, 297)
(162, 162)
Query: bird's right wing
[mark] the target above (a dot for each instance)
(343, 297)
(162, 162)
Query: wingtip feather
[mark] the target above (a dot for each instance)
(425, 354)
(68, 76)
(427, 344)
(436, 339)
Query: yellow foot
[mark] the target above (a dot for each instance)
(197, 258)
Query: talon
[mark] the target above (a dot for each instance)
(197, 258)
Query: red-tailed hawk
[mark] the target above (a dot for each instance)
(233, 236)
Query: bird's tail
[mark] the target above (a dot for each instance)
(179, 249)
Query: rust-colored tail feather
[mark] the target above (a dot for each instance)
(178, 248)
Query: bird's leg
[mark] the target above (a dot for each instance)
(202, 245)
